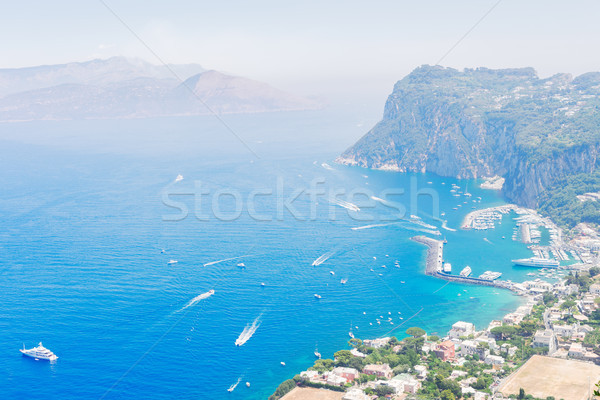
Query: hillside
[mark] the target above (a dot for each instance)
(482, 122)
(132, 88)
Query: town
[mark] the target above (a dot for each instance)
(546, 349)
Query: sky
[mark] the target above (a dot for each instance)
(309, 47)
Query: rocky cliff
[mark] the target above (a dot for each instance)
(483, 122)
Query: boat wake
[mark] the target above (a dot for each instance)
(223, 260)
(248, 332)
(358, 228)
(430, 231)
(346, 204)
(323, 258)
(327, 167)
(232, 387)
(197, 299)
(444, 226)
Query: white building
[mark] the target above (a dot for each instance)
(595, 289)
(421, 371)
(356, 394)
(409, 383)
(461, 328)
(546, 338)
(564, 330)
(494, 360)
(376, 343)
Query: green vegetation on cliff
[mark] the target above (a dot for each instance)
(561, 204)
(483, 122)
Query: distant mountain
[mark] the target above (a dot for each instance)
(125, 88)
(94, 72)
(483, 122)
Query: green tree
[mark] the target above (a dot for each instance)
(503, 332)
(343, 357)
(415, 332)
(447, 395)
(284, 388)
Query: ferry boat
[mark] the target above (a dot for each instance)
(490, 275)
(447, 267)
(465, 272)
(39, 353)
(537, 262)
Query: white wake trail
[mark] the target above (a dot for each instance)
(357, 228)
(346, 204)
(197, 299)
(248, 332)
(223, 260)
(321, 259)
(444, 226)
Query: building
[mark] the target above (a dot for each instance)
(565, 331)
(356, 394)
(512, 318)
(576, 351)
(349, 374)
(445, 350)
(595, 289)
(357, 353)
(508, 349)
(494, 360)
(335, 380)
(470, 347)
(546, 338)
(380, 370)
(421, 371)
(460, 329)
(409, 384)
(376, 343)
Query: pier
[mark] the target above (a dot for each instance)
(435, 259)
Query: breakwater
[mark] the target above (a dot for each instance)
(435, 260)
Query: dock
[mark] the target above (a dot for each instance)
(433, 267)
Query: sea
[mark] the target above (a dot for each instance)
(94, 215)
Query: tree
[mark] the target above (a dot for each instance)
(283, 389)
(447, 395)
(415, 332)
(568, 305)
(434, 338)
(343, 357)
(503, 332)
(594, 271)
(355, 342)
(521, 394)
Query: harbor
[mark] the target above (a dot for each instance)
(435, 267)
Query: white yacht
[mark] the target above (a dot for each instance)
(466, 271)
(171, 262)
(39, 353)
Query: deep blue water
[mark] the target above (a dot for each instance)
(84, 222)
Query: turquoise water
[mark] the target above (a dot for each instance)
(84, 226)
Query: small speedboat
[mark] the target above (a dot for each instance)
(241, 265)
(39, 353)
(282, 364)
(247, 384)
(317, 296)
(171, 262)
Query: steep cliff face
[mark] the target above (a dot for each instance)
(487, 122)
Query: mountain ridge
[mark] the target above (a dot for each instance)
(133, 88)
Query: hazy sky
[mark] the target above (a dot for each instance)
(307, 45)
